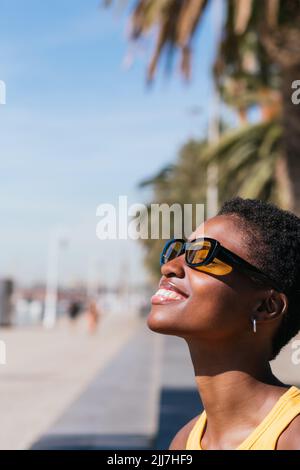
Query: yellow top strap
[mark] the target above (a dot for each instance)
(266, 434)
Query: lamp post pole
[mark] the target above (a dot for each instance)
(50, 315)
(212, 193)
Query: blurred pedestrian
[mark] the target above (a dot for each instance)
(74, 311)
(93, 317)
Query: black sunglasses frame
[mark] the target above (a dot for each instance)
(223, 254)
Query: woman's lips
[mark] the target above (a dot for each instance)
(167, 293)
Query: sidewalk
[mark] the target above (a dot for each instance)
(119, 409)
(131, 390)
(47, 370)
(140, 399)
(137, 402)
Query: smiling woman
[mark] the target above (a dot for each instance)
(232, 293)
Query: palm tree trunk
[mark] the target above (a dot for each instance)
(291, 136)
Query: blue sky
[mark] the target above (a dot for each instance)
(79, 129)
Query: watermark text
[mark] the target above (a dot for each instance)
(157, 221)
(296, 352)
(296, 93)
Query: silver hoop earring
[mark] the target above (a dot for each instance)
(254, 324)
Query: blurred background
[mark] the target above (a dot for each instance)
(168, 101)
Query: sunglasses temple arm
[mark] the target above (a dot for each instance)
(250, 270)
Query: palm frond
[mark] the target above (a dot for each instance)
(256, 179)
(243, 10)
(160, 177)
(272, 11)
(190, 15)
(234, 138)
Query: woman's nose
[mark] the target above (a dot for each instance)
(174, 268)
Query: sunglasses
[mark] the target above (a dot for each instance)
(207, 254)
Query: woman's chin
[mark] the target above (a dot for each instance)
(160, 320)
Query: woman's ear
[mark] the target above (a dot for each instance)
(272, 306)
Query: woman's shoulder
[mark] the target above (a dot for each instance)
(180, 439)
(290, 438)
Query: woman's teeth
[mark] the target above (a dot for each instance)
(169, 294)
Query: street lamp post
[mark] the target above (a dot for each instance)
(50, 315)
(212, 193)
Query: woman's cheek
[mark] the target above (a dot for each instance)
(213, 306)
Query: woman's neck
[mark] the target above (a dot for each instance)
(237, 391)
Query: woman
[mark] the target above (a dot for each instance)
(232, 292)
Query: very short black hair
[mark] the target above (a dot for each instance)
(275, 234)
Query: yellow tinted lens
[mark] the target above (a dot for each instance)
(216, 267)
(197, 252)
(172, 251)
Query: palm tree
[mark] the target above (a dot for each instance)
(250, 165)
(258, 59)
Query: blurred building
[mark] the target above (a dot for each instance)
(30, 302)
(6, 303)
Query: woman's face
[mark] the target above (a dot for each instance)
(212, 306)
